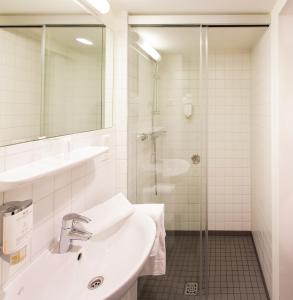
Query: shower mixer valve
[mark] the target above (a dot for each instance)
(195, 158)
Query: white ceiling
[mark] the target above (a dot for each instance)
(194, 6)
(39, 7)
(140, 6)
(171, 40)
(234, 37)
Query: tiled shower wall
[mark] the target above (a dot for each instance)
(229, 140)
(179, 181)
(261, 169)
(20, 85)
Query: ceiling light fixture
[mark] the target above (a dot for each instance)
(84, 41)
(146, 47)
(94, 7)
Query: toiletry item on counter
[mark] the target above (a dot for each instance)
(17, 226)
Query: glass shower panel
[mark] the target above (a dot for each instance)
(166, 144)
(234, 120)
(140, 122)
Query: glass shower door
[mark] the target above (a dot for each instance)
(167, 151)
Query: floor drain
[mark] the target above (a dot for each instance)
(95, 282)
(191, 288)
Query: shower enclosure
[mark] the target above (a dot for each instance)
(189, 144)
(167, 140)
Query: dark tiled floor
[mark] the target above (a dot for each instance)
(233, 269)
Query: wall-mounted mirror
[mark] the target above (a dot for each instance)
(54, 80)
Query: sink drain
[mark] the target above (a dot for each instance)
(95, 282)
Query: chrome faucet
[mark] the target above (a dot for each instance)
(71, 231)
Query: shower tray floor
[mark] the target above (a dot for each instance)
(234, 271)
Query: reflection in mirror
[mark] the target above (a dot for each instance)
(73, 76)
(54, 80)
(20, 84)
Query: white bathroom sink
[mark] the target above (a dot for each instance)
(118, 255)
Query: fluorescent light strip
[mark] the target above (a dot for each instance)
(153, 53)
(94, 7)
(84, 41)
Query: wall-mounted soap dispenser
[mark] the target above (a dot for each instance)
(187, 105)
(17, 226)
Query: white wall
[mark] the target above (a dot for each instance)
(76, 189)
(261, 155)
(285, 142)
(120, 99)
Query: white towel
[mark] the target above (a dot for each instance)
(156, 263)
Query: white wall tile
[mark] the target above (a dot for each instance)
(62, 179)
(66, 191)
(229, 140)
(42, 238)
(43, 209)
(78, 192)
(21, 193)
(43, 187)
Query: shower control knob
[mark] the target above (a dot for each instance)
(195, 158)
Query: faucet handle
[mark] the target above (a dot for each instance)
(74, 218)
